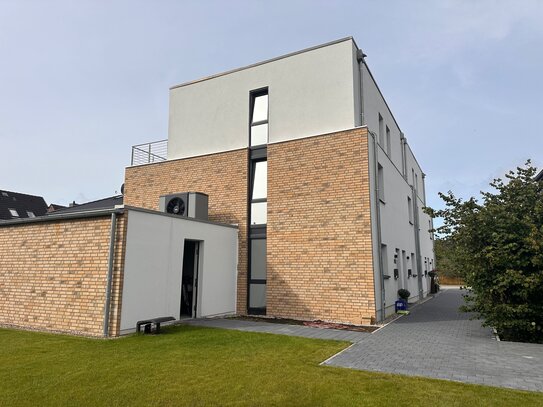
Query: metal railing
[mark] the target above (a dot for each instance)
(148, 153)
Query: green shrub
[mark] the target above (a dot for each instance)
(498, 245)
(404, 294)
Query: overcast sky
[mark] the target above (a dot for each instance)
(83, 81)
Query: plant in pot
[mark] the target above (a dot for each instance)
(404, 295)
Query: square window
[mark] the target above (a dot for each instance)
(259, 135)
(30, 214)
(14, 213)
(259, 213)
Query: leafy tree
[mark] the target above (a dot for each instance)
(447, 266)
(498, 246)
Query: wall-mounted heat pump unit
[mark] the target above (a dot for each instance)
(189, 204)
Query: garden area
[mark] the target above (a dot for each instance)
(194, 366)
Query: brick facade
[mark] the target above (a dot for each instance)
(319, 253)
(53, 274)
(319, 232)
(222, 176)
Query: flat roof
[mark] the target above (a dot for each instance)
(101, 213)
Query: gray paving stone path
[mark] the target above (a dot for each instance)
(437, 340)
(280, 329)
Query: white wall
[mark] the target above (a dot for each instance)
(374, 104)
(310, 93)
(154, 261)
(397, 232)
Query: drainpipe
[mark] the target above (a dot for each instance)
(360, 58)
(112, 237)
(416, 228)
(378, 221)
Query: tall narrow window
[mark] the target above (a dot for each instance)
(404, 269)
(389, 146)
(258, 274)
(384, 258)
(259, 118)
(258, 202)
(381, 182)
(381, 131)
(410, 210)
(259, 193)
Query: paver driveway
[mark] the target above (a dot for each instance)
(436, 340)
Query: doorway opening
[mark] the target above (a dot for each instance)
(189, 279)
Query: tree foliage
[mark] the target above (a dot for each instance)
(497, 244)
(447, 266)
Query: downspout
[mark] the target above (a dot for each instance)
(378, 222)
(360, 58)
(416, 228)
(112, 238)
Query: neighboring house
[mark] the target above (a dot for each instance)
(304, 154)
(14, 205)
(54, 207)
(539, 177)
(104, 203)
(287, 190)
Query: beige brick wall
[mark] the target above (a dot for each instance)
(319, 230)
(53, 274)
(222, 176)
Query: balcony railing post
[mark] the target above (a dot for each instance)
(132, 158)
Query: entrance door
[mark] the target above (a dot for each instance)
(189, 279)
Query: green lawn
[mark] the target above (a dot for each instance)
(200, 367)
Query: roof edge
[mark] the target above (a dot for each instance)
(61, 216)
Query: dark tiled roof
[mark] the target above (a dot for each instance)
(105, 203)
(56, 207)
(22, 204)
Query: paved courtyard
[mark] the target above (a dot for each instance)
(281, 329)
(436, 340)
